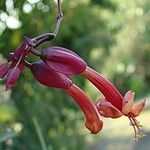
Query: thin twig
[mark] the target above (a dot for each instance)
(59, 17)
(49, 36)
(27, 64)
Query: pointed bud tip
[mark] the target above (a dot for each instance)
(12, 76)
(129, 95)
(138, 107)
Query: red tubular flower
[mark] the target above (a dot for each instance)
(93, 120)
(63, 60)
(51, 78)
(114, 104)
(107, 88)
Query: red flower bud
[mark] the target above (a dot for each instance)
(63, 60)
(49, 77)
(12, 76)
(3, 69)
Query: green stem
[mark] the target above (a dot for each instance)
(39, 133)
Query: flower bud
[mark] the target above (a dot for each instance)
(49, 77)
(63, 60)
(12, 76)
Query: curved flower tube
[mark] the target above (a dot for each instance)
(106, 87)
(93, 120)
(51, 78)
(114, 104)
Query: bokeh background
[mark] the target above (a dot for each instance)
(113, 36)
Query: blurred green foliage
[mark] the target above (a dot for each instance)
(112, 36)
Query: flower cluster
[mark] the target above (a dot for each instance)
(13, 69)
(54, 69)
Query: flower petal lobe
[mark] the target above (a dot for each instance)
(106, 109)
(128, 102)
(137, 108)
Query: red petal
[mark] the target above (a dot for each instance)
(106, 109)
(128, 102)
(137, 108)
(106, 87)
(12, 76)
(63, 60)
(3, 69)
(49, 77)
(93, 120)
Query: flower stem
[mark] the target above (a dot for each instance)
(39, 133)
(35, 52)
(27, 64)
(50, 36)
